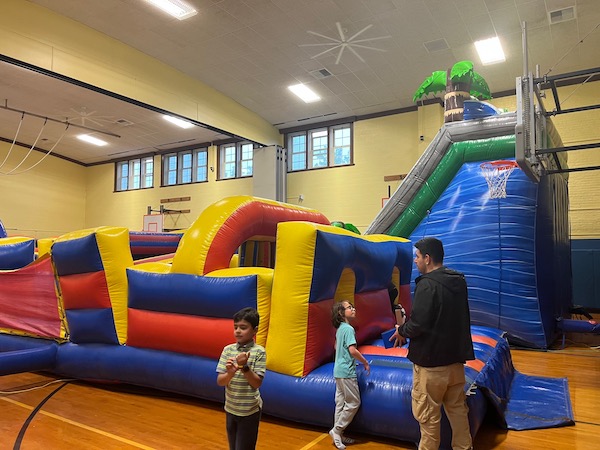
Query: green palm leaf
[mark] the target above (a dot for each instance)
(432, 85)
(480, 88)
(461, 72)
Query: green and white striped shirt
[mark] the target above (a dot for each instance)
(241, 399)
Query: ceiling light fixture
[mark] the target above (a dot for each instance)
(490, 51)
(91, 140)
(178, 9)
(304, 92)
(179, 122)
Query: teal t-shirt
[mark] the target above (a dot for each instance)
(345, 365)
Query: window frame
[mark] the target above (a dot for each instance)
(137, 177)
(180, 172)
(233, 160)
(306, 157)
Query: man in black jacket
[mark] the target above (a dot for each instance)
(440, 343)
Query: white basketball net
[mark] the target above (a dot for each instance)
(496, 174)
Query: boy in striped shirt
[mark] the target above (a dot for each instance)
(241, 370)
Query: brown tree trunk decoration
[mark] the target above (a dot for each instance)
(456, 94)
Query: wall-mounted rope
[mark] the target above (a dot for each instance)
(37, 163)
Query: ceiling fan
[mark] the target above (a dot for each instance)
(342, 43)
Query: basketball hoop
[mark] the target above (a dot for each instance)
(496, 174)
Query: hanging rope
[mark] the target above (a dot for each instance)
(13, 142)
(30, 150)
(576, 89)
(573, 48)
(43, 157)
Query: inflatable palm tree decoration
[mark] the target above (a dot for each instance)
(459, 83)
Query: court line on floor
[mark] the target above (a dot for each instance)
(80, 425)
(315, 442)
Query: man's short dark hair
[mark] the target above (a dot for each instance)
(432, 247)
(250, 315)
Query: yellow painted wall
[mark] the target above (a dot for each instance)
(582, 128)
(38, 36)
(575, 129)
(382, 146)
(46, 201)
(106, 207)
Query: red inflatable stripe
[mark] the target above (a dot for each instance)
(192, 335)
(485, 340)
(85, 291)
(255, 218)
(382, 351)
(476, 364)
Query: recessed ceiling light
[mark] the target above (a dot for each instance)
(178, 9)
(178, 122)
(304, 92)
(91, 140)
(490, 51)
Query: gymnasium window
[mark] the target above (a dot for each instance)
(235, 160)
(184, 167)
(320, 147)
(135, 174)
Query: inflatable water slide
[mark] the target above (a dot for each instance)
(511, 240)
(85, 309)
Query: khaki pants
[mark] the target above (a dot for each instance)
(432, 388)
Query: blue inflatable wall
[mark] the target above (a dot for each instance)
(514, 251)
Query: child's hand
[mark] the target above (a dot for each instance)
(242, 359)
(231, 366)
(367, 367)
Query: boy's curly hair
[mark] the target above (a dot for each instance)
(338, 313)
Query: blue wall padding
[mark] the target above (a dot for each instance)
(494, 242)
(372, 263)
(2, 230)
(92, 325)
(196, 295)
(553, 251)
(585, 262)
(17, 255)
(77, 256)
(17, 361)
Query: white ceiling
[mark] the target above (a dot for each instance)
(251, 50)
(128, 128)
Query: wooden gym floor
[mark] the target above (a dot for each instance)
(39, 411)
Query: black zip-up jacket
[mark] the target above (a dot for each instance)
(439, 327)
